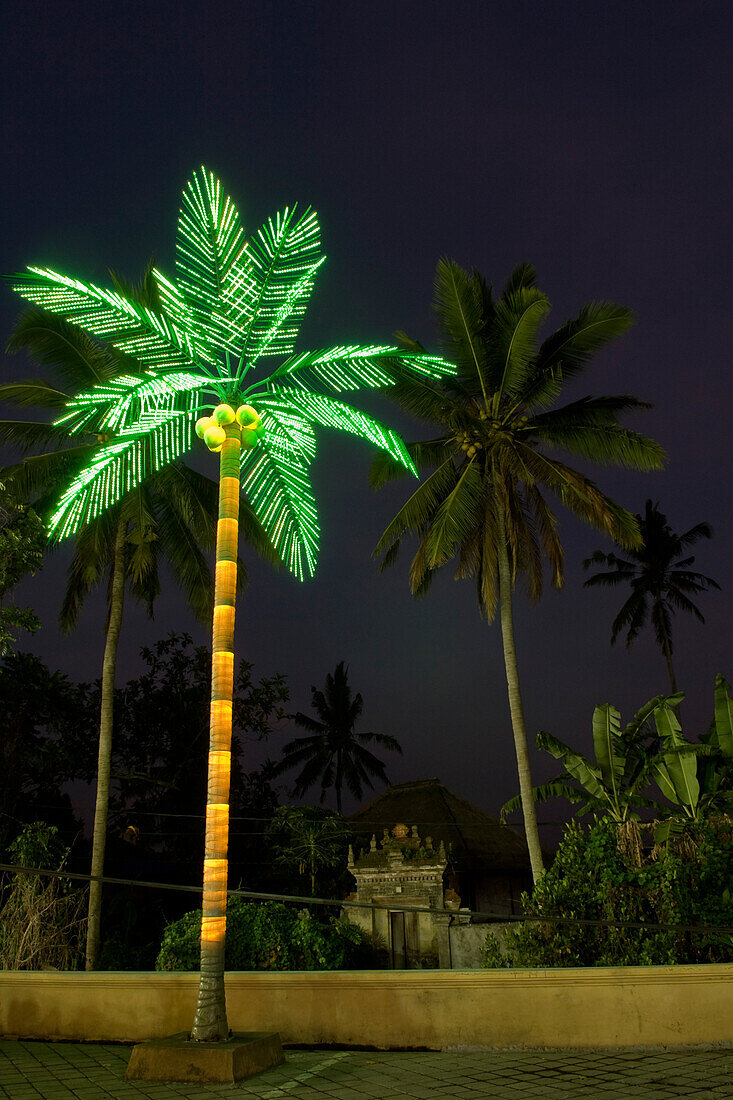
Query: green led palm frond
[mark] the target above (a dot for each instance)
(214, 285)
(116, 469)
(135, 330)
(183, 319)
(327, 412)
(282, 261)
(292, 430)
(129, 400)
(280, 335)
(353, 366)
(279, 490)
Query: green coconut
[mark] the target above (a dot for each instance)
(214, 437)
(248, 416)
(223, 415)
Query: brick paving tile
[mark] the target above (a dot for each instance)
(356, 1088)
(378, 1090)
(421, 1092)
(68, 1071)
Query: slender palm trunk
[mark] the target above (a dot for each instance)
(211, 1015)
(531, 831)
(670, 671)
(313, 869)
(117, 599)
(338, 782)
(667, 651)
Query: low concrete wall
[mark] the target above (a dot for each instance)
(588, 1007)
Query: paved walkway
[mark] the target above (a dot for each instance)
(87, 1071)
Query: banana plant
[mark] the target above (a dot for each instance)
(696, 778)
(204, 368)
(611, 784)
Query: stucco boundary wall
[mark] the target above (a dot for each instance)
(589, 1007)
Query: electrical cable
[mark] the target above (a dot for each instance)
(345, 903)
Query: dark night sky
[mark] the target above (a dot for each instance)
(592, 138)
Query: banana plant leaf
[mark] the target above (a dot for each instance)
(668, 726)
(633, 730)
(676, 776)
(554, 788)
(666, 829)
(609, 748)
(590, 778)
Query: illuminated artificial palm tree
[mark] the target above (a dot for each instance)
(236, 303)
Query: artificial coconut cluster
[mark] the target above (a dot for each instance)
(212, 428)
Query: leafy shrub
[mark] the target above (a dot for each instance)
(598, 875)
(266, 936)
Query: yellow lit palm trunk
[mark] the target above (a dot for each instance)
(211, 1015)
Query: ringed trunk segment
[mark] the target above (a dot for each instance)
(109, 666)
(210, 1024)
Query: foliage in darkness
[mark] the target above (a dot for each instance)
(595, 876)
(661, 580)
(311, 842)
(161, 744)
(45, 716)
(266, 936)
(22, 540)
(42, 921)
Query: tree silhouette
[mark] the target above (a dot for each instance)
(660, 577)
(334, 754)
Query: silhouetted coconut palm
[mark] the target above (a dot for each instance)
(492, 464)
(660, 577)
(334, 754)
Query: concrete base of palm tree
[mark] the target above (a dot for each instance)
(178, 1058)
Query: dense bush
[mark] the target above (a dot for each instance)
(266, 936)
(602, 873)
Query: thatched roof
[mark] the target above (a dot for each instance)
(475, 840)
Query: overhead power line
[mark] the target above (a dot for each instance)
(356, 825)
(498, 918)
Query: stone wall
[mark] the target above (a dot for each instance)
(467, 943)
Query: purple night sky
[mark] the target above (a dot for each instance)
(591, 138)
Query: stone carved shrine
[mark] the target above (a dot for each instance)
(399, 872)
